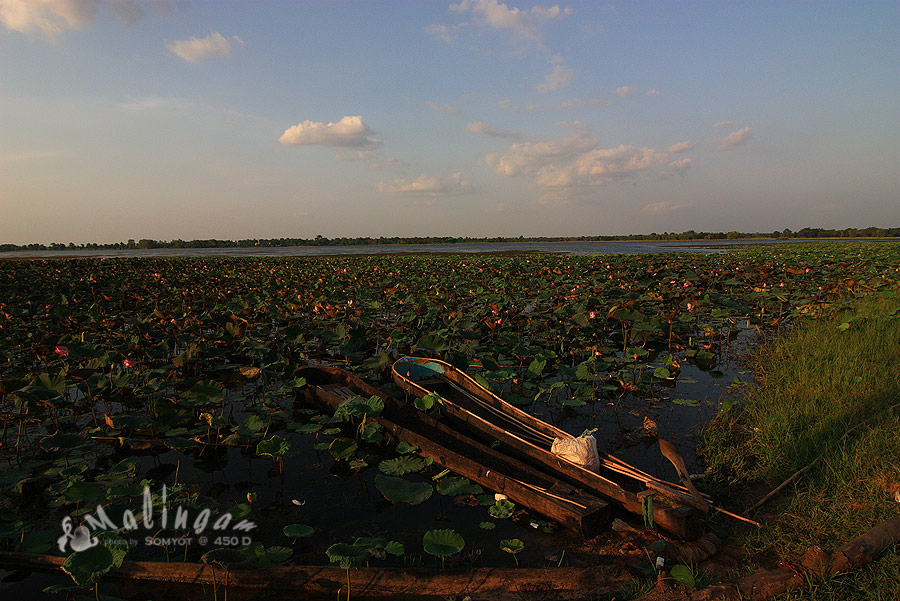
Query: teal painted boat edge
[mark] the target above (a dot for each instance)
(414, 370)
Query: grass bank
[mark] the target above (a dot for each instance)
(826, 391)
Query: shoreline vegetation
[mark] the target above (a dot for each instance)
(689, 235)
(822, 418)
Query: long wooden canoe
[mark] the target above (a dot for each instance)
(473, 409)
(583, 512)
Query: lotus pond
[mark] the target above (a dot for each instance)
(122, 374)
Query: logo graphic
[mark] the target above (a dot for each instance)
(79, 540)
(81, 537)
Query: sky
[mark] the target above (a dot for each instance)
(126, 119)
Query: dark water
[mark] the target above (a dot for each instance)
(575, 248)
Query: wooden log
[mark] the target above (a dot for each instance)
(573, 508)
(197, 580)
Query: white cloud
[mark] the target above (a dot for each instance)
(494, 14)
(428, 185)
(676, 167)
(652, 93)
(349, 132)
(735, 139)
(681, 147)
(197, 50)
(525, 158)
(480, 127)
(446, 109)
(625, 91)
(548, 13)
(725, 123)
(48, 17)
(53, 17)
(559, 77)
(565, 165)
(596, 167)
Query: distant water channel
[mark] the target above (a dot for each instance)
(575, 248)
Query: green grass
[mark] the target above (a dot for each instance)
(815, 384)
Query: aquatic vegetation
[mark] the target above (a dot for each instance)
(513, 546)
(298, 531)
(443, 543)
(114, 373)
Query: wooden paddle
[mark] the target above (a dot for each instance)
(671, 453)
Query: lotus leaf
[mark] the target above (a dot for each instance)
(401, 465)
(398, 490)
(298, 531)
(273, 447)
(442, 543)
(347, 556)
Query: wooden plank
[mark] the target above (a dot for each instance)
(197, 580)
(575, 509)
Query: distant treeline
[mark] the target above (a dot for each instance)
(807, 232)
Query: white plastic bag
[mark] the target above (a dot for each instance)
(581, 450)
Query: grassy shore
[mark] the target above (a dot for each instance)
(827, 390)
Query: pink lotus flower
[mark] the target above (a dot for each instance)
(690, 307)
(61, 351)
(129, 363)
(592, 314)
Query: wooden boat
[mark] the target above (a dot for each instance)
(473, 409)
(329, 387)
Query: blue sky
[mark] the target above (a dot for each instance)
(127, 119)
